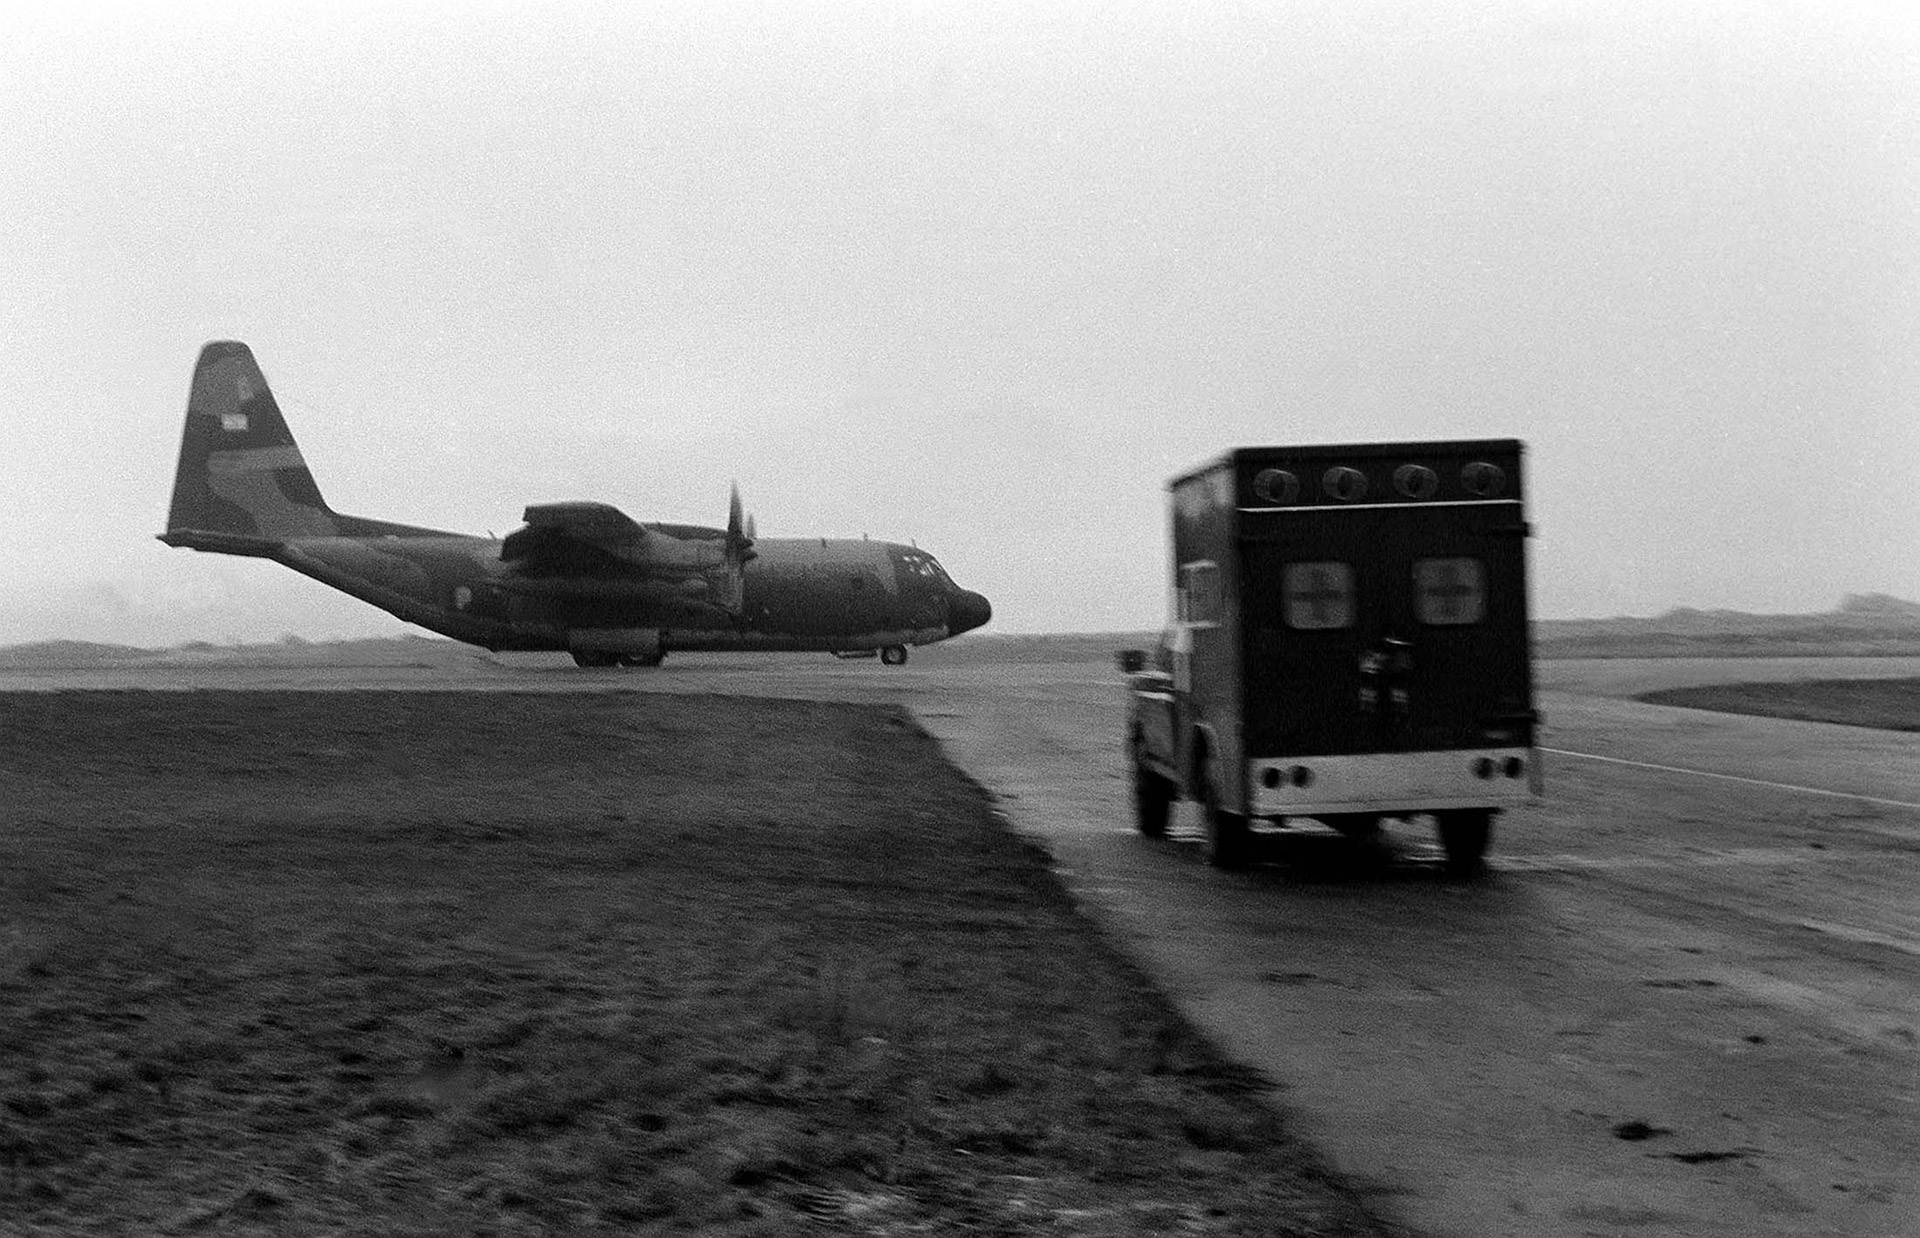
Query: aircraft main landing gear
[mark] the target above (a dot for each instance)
(894, 655)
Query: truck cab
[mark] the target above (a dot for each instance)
(1349, 642)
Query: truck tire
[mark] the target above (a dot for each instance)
(1229, 838)
(1464, 834)
(1152, 795)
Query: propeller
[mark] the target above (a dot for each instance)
(736, 550)
(739, 530)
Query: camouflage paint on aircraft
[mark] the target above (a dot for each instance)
(580, 577)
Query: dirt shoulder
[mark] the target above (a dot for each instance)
(515, 963)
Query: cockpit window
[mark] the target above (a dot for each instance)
(924, 565)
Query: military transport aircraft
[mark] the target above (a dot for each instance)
(580, 577)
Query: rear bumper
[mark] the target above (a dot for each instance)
(1393, 782)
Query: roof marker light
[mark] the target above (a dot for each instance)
(1484, 479)
(1347, 485)
(1416, 481)
(1276, 486)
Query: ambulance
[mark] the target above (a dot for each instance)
(1349, 643)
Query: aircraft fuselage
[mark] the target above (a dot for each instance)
(825, 594)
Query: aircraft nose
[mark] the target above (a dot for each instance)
(967, 610)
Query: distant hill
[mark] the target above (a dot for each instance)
(375, 651)
(1873, 624)
(69, 655)
(1863, 625)
(1884, 604)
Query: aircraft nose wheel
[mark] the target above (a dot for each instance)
(894, 655)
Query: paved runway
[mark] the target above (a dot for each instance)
(1687, 1002)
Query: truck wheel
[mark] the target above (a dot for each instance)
(1152, 796)
(1229, 839)
(1464, 834)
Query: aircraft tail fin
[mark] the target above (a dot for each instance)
(241, 485)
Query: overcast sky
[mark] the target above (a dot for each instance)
(982, 276)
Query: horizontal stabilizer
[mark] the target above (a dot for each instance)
(222, 543)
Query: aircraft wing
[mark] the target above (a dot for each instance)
(571, 537)
(598, 539)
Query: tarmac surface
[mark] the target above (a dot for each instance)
(1686, 1001)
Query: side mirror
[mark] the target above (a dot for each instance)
(1132, 661)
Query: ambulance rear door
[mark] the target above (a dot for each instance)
(1393, 626)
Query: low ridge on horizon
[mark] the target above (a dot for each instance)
(1859, 616)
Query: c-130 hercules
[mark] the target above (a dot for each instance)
(580, 577)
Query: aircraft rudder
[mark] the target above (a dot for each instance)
(240, 471)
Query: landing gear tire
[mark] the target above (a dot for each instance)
(1229, 838)
(894, 655)
(1464, 835)
(1152, 796)
(593, 659)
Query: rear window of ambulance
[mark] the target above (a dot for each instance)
(1449, 592)
(1317, 597)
